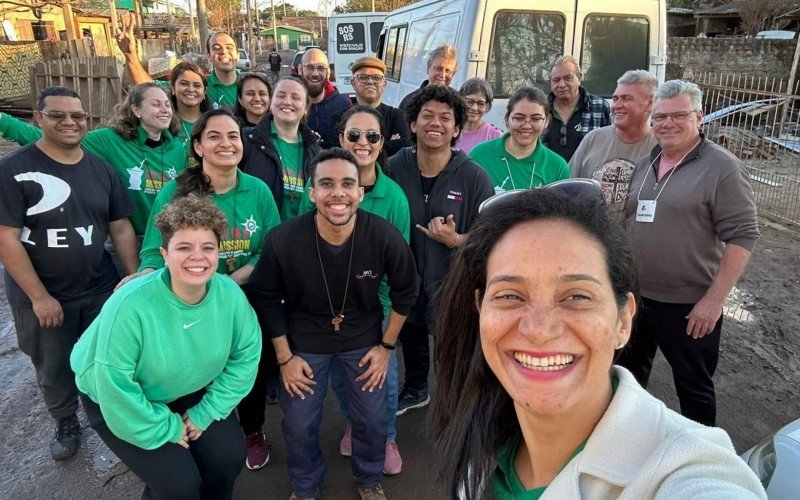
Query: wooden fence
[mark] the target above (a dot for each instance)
(98, 80)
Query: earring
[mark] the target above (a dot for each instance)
(200, 155)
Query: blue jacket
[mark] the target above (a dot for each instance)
(320, 115)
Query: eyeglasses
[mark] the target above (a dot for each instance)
(60, 116)
(354, 134)
(310, 68)
(573, 188)
(677, 116)
(519, 121)
(362, 78)
(479, 104)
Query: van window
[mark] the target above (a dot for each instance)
(523, 45)
(350, 38)
(427, 35)
(395, 45)
(611, 46)
(374, 34)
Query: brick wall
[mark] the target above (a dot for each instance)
(745, 56)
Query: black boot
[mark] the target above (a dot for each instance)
(65, 442)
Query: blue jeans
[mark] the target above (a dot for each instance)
(392, 390)
(302, 419)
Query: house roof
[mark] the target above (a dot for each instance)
(680, 11)
(268, 29)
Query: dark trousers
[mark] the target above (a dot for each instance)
(49, 350)
(302, 419)
(693, 361)
(207, 470)
(416, 356)
(251, 407)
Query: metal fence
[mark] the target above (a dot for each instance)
(758, 120)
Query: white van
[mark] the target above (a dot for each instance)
(511, 43)
(351, 36)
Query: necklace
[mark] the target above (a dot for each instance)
(336, 319)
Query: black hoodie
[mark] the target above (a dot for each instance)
(459, 190)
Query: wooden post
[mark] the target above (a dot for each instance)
(69, 21)
(202, 24)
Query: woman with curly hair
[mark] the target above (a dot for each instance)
(168, 359)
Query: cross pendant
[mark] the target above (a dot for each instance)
(231, 263)
(336, 321)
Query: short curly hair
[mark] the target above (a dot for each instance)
(438, 93)
(191, 212)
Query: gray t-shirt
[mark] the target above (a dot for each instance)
(603, 157)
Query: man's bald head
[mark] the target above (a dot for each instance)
(314, 72)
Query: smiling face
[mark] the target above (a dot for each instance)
(191, 257)
(441, 71)
(314, 71)
(435, 126)
(676, 135)
(155, 111)
(477, 106)
(630, 106)
(366, 154)
(189, 89)
(525, 123)
(223, 53)
(66, 133)
(220, 144)
(255, 98)
(289, 102)
(549, 321)
(336, 191)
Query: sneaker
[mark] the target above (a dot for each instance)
(375, 493)
(392, 464)
(410, 399)
(257, 451)
(295, 496)
(66, 439)
(346, 444)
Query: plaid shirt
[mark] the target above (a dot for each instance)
(591, 112)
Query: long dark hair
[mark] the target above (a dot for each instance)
(193, 180)
(238, 110)
(125, 123)
(181, 68)
(472, 414)
(360, 108)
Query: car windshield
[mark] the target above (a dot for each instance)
(242, 54)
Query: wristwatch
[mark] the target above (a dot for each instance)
(387, 345)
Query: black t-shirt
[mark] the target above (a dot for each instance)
(64, 212)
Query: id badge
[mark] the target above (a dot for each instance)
(646, 211)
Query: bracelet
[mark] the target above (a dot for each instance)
(387, 345)
(455, 243)
(287, 361)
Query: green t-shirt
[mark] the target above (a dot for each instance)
(387, 200)
(291, 156)
(507, 172)
(506, 483)
(220, 95)
(250, 210)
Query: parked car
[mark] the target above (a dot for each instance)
(776, 462)
(244, 60)
(298, 56)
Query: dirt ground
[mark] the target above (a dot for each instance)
(757, 392)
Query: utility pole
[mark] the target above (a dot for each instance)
(169, 26)
(191, 26)
(274, 26)
(202, 23)
(114, 23)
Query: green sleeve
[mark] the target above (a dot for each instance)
(126, 409)
(563, 172)
(150, 255)
(271, 218)
(15, 130)
(97, 142)
(306, 205)
(237, 378)
(401, 217)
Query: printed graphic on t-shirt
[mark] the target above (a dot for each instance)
(238, 244)
(293, 184)
(615, 178)
(153, 181)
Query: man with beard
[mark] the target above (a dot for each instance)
(315, 291)
(58, 205)
(326, 101)
(442, 64)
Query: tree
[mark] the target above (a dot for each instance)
(760, 15)
(224, 14)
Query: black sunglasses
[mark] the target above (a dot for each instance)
(353, 135)
(563, 132)
(574, 188)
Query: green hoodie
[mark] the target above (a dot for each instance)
(219, 94)
(386, 200)
(147, 348)
(251, 213)
(143, 170)
(507, 172)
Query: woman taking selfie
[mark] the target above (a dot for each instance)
(280, 148)
(536, 306)
(518, 159)
(165, 363)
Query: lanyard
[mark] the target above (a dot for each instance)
(672, 171)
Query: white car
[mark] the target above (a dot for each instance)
(244, 60)
(776, 462)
